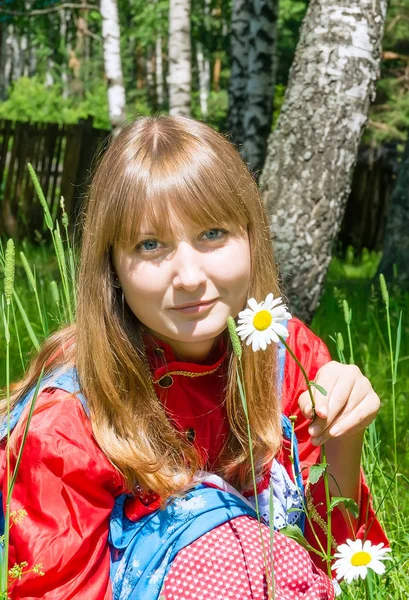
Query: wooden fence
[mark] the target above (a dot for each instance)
(61, 156)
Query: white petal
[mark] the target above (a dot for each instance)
(250, 338)
(263, 342)
(349, 577)
(246, 314)
(256, 343)
(276, 302)
(244, 330)
(253, 304)
(342, 548)
(378, 567)
(280, 329)
(268, 301)
(355, 545)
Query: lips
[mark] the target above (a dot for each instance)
(192, 304)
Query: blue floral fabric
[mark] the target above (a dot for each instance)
(142, 551)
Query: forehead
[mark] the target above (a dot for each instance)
(161, 215)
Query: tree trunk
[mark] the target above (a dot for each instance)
(396, 243)
(262, 66)
(112, 62)
(203, 67)
(49, 79)
(8, 62)
(160, 96)
(179, 49)
(307, 175)
(239, 52)
(3, 52)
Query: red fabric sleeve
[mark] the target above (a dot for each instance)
(313, 354)
(67, 487)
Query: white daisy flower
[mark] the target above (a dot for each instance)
(355, 558)
(261, 323)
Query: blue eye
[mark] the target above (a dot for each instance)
(148, 245)
(214, 234)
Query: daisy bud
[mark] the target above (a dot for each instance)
(9, 270)
(235, 340)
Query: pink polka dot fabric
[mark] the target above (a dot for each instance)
(227, 563)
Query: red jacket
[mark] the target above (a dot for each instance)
(67, 486)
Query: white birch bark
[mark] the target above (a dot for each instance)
(179, 49)
(8, 62)
(14, 45)
(160, 96)
(49, 79)
(311, 155)
(203, 67)
(3, 58)
(112, 62)
(262, 66)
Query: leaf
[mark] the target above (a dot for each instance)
(347, 502)
(316, 471)
(294, 533)
(397, 348)
(321, 390)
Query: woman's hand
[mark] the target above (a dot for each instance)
(348, 408)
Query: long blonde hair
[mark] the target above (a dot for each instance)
(156, 167)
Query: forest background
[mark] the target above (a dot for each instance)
(246, 68)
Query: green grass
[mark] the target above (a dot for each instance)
(351, 280)
(369, 332)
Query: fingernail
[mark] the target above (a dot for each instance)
(335, 431)
(317, 441)
(313, 431)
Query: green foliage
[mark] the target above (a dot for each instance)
(389, 116)
(30, 100)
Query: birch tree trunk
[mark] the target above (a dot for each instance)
(262, 66)
(112, 62)
(179, 50)
(311, 155)
(3, 58)
(239, 52)
(203, 67)
(396, 244)
(160, 96)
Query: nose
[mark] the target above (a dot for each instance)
(188, 267)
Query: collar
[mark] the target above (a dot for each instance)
(163, 363)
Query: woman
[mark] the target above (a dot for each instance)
(127, 481)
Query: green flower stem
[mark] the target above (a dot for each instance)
(323, 459)
(329, 514)
(240, 380)
(321, 554)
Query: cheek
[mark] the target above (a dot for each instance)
(235, 269)
(142, 290)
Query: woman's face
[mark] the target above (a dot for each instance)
(209, 270)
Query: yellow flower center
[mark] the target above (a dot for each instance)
(360, 559)
(262, 320)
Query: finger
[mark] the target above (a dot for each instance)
(304, 402)
(319, 406)
(358, 419)
(327, 378)
(338, 401)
